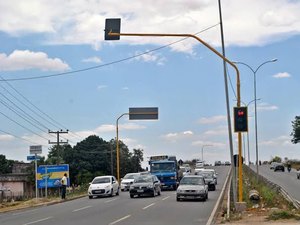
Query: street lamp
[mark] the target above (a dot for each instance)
(202, 151)
(248, 130)
(255, 100)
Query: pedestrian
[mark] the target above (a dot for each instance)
(64, 183)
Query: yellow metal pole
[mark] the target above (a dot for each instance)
(237, 84)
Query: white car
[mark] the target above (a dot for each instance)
(127, 180)
(103, 186)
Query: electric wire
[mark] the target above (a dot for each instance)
(109, 63)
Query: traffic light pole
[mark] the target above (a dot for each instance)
(116, 35)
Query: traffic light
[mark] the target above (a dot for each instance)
(240, 119)
(112, 25)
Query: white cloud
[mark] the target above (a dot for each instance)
(282, 75)
(6, 137)
(266, 107)
(83, 22)
(278, 141)
(94, 59)
(211, 144)
(25, 59)
(100, 87)
(213, 119)
(150, 57)
(173, 137)
(217, 131)
(125, 88)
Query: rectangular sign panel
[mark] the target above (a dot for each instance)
(53, 175)
(146, 113)
(35, 149)
(32, 157)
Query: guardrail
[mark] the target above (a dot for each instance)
(277, 187)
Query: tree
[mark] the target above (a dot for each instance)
(296, 130)
(5, 165)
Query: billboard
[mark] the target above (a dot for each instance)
(53, 175)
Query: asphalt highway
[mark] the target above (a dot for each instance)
(287, 180)
(121, 210)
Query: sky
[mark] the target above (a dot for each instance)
(58, 73)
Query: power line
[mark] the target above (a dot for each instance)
(22, 125)
(109, 63)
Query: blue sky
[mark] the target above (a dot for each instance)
(183, 79)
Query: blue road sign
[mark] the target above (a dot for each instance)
(32, 157)
(52, 174)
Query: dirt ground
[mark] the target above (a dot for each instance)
(255, 217)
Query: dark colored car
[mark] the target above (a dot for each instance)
(218, 163)
(145, 185)
(209, 179)
(279, 166)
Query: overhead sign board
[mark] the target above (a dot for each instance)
(145, 113)
(35, 149)
(52, 174)
(32, 157)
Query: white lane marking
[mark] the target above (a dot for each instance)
(165, 198)
(146, 207)
(111, 200)
(37, 221)
(19, 213)
(119, 220)
(86, 207)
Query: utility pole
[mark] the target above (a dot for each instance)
(57, 142)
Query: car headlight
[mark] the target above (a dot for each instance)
(150, 186)
(131, 187)
(107, 186)
(179, 190)
(200, 191)
(172, 178)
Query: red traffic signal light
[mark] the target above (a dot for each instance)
(240, 119)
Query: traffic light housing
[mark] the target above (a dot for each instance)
(112, 25)
(240, 119)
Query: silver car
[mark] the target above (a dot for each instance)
(192, 187)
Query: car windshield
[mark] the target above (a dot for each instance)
(143, 179)
(101, 180)
(162, 167)
(192, 181)
(129, 176)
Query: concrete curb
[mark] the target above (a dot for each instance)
(214, 212)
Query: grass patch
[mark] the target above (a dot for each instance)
(277, 215)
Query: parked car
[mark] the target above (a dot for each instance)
(127, 180)
(279, 166)
(103, 186)
(145, 185)
(209, 179)
(192, 187)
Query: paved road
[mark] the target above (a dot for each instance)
(288, 181)
(121, 210)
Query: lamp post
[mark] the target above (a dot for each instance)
(202, 151)
(255, 105)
